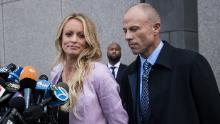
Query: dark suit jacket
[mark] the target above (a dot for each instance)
(120, 71)
(183, 89)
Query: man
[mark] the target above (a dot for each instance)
(165, 85)
(114, 64)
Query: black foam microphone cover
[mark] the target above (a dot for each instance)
(27, 83)
(33, 113)
(18, 103)
(43, 77)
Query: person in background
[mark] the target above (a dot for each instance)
(93, 92)
(165, 85)
(114, 64)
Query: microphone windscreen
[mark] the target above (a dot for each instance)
(63, 85)
(17, 103)
(27, 83)
(28, 77)
(43, 77)
(33, 113)
(11, 66)
(28, 72)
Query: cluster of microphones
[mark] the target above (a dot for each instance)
(26, 98)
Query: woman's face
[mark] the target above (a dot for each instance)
(73, 39)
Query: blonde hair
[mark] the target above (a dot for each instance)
(91, 53)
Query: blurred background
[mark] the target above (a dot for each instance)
(28, 28)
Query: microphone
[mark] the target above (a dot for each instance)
(57, 95)
(14, 76)
(43, 77)
(5, 70)
(41, 86)
(42, 83)
(10, 89)
(11, 85)
(28, 72)
(33, 113)
(28, 78)
(17, 103)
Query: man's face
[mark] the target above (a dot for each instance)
(138, 32)
(114, 52)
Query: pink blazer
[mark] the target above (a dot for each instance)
(99, 102)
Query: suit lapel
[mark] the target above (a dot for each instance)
(134, 81)
(119, 71)
(133, 85)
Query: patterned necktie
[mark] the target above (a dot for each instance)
(113, 70)
(145, 101)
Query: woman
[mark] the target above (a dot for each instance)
(94, 95)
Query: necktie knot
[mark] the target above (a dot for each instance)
(113, 67)
(146, 65)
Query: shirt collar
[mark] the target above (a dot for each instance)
(116, 65)
(153, 56)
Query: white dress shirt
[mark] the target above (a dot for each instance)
(116, 67)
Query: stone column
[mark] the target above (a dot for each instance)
(209, 32)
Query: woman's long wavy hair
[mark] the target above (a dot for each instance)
(91, 53)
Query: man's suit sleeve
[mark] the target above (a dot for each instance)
(205, 91)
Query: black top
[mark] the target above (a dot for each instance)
(63, 117)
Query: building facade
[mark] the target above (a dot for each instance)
(28, 28)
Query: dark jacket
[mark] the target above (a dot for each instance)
(183, 89)
(120, 72)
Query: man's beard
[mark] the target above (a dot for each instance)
(114, 59)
